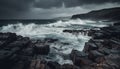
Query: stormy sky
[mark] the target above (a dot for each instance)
(47, 9)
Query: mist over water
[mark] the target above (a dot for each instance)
(55, 30)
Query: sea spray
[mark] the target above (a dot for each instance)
(55, 30)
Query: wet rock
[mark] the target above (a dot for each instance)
(7, 36)
(27, 52)
(38, 64)
(41, 49)
(100, 60)
(79, 58)
(7, 58)
(3, 44)
(113, 61)
(65, 43)
(76, 32)
(116, 24)
(69, 31)
(90, 46)
(94, 54)
(53, 65)
(20, 44)
(115, 44)
(113, 31)
(68, 66)
(91, 32)
(99, 36)
(50, 40)
(104, 51)
(76, 53)
(113, 51)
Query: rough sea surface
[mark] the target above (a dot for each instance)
(55, 30)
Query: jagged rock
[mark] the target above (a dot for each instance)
(113, 61)
(75, 54)
(91, 32)
(7, 58)
(28, 52)
(20, 44)
(113, 31)
(115, 44)
(113, 51)
(41, 49)
(90, 46)
(50, 40)
(116, 24)
(99, 36)
(3, 44)
(79, 58)
(53, 65)
(73, 31)
(69, 31)
(76, 31)
(94, 54)
(7, 36)
(38, 64)
(68, 66)
(104, 51)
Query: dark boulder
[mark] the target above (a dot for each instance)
(50, 40)
(38, 64)
(68, 66)
(99, 36)
(94, 54)
(7, 58)
(116, 24)
(79, 58)
(104, 51)
(53, 65)
(41, 49)
(90, 46)
(8, 36)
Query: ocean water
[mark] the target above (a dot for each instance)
(40, 29)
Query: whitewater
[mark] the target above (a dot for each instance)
(55, 30)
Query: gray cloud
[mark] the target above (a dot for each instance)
(24, 8)
(48, 3)
(70, 3)
(11, 8)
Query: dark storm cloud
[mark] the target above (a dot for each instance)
(10, 8)
(21, 8)
(70, 3)
(48, 3)
(17, 5)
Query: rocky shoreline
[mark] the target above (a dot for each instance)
(109, 14)
(102, 51)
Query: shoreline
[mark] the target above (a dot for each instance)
(100, 52)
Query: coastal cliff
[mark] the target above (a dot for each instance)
(104, 14)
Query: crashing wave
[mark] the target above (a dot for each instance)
(55, 30)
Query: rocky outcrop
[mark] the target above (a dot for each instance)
(12, 50)
(104, 14)
(102, 51)
(16, 52)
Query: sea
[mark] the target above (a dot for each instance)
(40, 29)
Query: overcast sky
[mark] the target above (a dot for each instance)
(47, 9)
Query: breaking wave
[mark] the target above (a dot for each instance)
(55, 30)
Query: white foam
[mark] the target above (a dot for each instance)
(53, 30)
